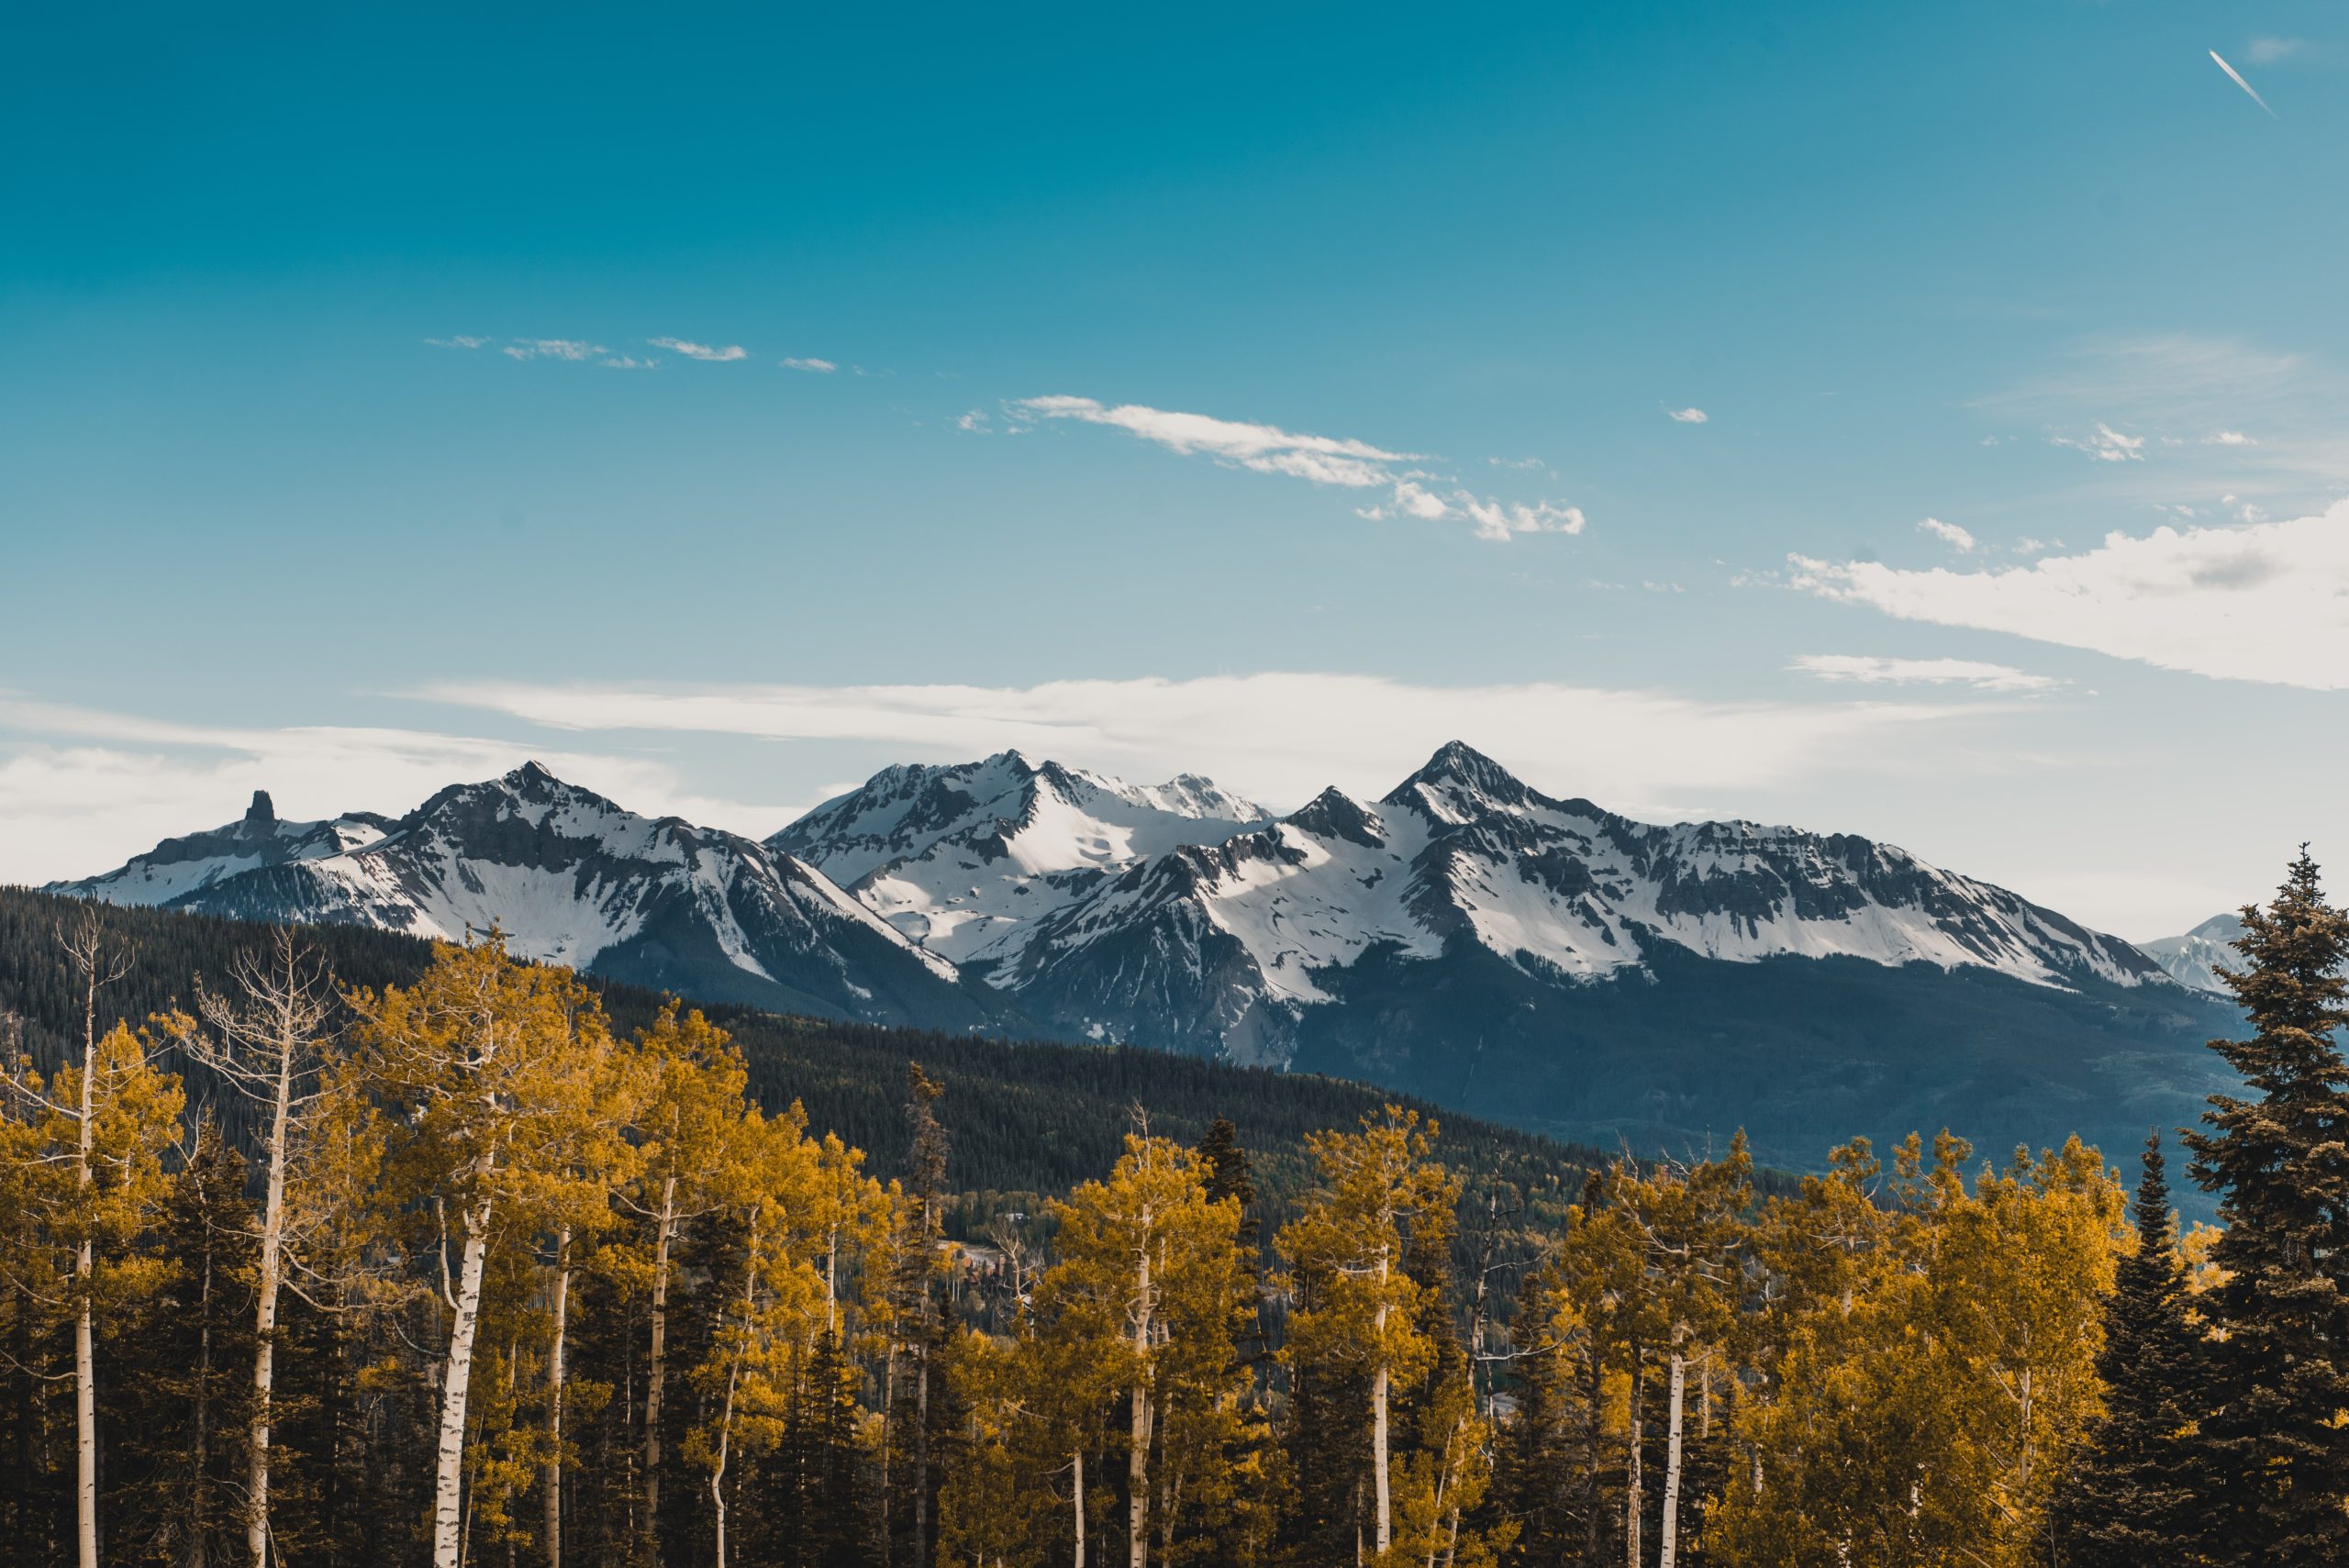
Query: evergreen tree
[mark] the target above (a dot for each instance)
(2125, 1501)
(181, 1369)
(2272, 1452)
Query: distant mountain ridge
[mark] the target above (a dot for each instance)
(2195, 959)
(1465, 937)
(573, 879)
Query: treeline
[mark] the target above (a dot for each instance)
(511, 1280)
(1031, 1118)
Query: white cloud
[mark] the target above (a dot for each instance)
(458, 340)
(2268, 50)
(630, 362)
(1280, 737)
(83, 790)
(1949, 534)
(711, 354)
(1523, 465)
(2256, 601)
(2106, 445)
(815, 367)
(2230, 439)
(977, 419)
(1319, 460)
(1500, 519)
(1690, 416)
(572, 349)
(1869, 670)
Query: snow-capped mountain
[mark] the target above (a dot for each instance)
(1537, 960)
(1226, 945)
(969, 859)
(1540, 961)
(177, 868)
(573, 879)
(2194, 959)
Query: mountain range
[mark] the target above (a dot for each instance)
(1464, 937)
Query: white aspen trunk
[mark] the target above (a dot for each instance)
(1633, 1497)
(1668, 1549)
(448, 1497)
(718, 1471)
(272, 1232)
(1080, 1507)
(561, 1305)
(660, 1361)
(1442, 1485)
(832, 1281)
(726, 1416)
(1137, 1457)
(202, 1466)
(85, 1262)
(1386, 1520)
(85, 1421)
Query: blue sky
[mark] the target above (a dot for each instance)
(1430, 288)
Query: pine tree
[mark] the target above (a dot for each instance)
(2271, 1450)
(181, 1365)
(2125, 1501)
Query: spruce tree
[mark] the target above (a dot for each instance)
(2272, 1454)
(2125, 1502)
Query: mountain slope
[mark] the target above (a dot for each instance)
(1556, 965)
(2194, 959)
(1226, 947)
(1465, 937)
(573, 879)
(965, 859)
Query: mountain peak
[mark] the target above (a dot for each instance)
(262, 813)
(1458, 770)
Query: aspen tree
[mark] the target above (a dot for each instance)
(693, 1088)
(492, 1071)
(767, 1185)
(1357, 1308)
(101, 1127)
(1157, 1262)
(1686, 1224)
(270, 1042)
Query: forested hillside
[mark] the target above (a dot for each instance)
(1031, 1117)
(503, 1267)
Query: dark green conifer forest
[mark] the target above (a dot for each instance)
(329, 1247)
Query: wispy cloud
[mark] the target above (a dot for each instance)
(2105, 444)
(815, 367)
(2236, 77)
(2250, 602)
(81, 789)
(1689, 416)
(1279, 736)
(976, 420)
(570, 348)
(458, 340)
(1522, 464)
(705, 352)
(630, 362)
(1949, 534)
(1320, 460)
(2268, 50)
(1868, 670)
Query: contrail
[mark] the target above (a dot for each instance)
(2236, 77)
